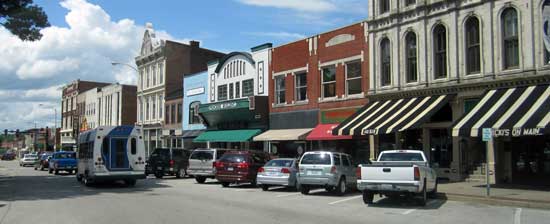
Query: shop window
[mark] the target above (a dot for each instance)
(385, 69)
(412, 70)
(510, 37)
(222, 92)
(440, 51)
(473, 52)
(230, 91)
(248, 87)
(280, 89)
(441, 148)
(193, 117)
(237, 90)
(353, 78)
(329, 82)
(301, 86)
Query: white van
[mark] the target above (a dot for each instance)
(111, 153)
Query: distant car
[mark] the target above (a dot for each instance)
(62, 161)
(43, 162)
(240, 167)
(332, 170)
(165, 161)
(8, 156)
(28, 160)
(201, 163)
(278, 172)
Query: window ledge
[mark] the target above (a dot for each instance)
(354, 96)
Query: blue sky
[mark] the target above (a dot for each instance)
(87, 35)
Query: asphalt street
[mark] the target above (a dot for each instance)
(29, 196)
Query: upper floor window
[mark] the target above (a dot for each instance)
(473, 58)
(238, 90)
(301, 86)
(384, 6)
(148, 74)
(173, 114)
(280, 96)
(180, 112)
(385, 66)
(154, 109)
(509, 20)
(353, 78)
(410, 2)
(248, 87)
(440, 51)
(167, 116)
(328, 81)
(146, 109)
(161, 99)
(161, 72)
(154, 71)
(141, 78)
(411, 54)
(230, 91)
(222, 92)
(194, 117)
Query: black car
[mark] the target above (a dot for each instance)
(8, 156)
(168, 162)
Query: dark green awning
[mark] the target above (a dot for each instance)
(244, 135)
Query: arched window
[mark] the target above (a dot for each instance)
(385, 65)
(411, 54)
(193, 113)
(510, 40)
(473, 58)
(440, 51)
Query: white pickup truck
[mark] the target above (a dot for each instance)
(397, 173)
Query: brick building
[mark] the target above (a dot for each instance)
(314, 84)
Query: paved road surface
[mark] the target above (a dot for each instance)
(29, 196)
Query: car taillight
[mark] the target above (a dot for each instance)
(261, 170)
(171, 163)
(333, 169)
(285, 170)
(416, 173)
(218, 164)
(243, 165)
(358, 173)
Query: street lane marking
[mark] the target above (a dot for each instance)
(241, 190)
(408, 211)
(344, 200)
(286, 195)
(517, 216)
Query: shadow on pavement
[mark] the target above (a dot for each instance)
(407, 202)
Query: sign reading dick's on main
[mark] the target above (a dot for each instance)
(516, 132)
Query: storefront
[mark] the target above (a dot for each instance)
(195, 94)
(285, 143)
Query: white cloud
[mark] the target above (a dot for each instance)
(300, 5)
(32, 72)
(277, 35)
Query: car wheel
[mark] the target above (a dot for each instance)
(158, 175)
(423, 196)
(329, 189)
(253, 183)
(56, 172)
(341, 188)
(78, 178)
(180, 173)
(265, 187)
(35, 168)
(87, 181)
(304, 190)
(433, 193)
(368, 197)
(225, 184)
(200, 180)
(130, 182)
(50, 171)
(41, 167)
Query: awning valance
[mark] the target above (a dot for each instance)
(509, 112)
(324, 132)
(283, 135)
(228, 135)
(386, 116)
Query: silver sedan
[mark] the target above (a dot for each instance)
(278, 172)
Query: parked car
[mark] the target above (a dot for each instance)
(278, 172)
(332, 170)
(240, 167)
(28, 160)
(201, 163)
(396, 173)
(63, 161)
(43, 161)
(8, 156)
(171, 162)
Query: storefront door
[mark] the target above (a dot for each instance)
(441, 148)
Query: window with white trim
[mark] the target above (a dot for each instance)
(280, 96)
(510, 37)
(328, 81)
(353, 78)
(237, 90)
(222, 92)
(300, 83)
(248, 87)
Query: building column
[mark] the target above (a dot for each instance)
(456, 169)
(491, 160)
(372, 147)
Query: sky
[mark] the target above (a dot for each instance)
(85, 36)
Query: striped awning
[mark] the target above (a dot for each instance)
(509, 112)
(387, 116)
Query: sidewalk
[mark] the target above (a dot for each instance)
(506, 195)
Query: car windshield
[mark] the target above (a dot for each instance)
(202, 155)
(161, 152)
(64, 155)
(316, 158)
(233, 158)
(30, 157)
(401, 156)
(280, 163)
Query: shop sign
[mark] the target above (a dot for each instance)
(336, 116)
(370, 132)
(516, 132)
(195, 91)
(221, 106)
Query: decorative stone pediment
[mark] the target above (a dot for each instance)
(340, 39)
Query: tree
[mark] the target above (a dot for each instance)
(23, 18)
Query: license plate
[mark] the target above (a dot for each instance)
(386, 186)
(229, 168)
(313, 172)
(159, 168)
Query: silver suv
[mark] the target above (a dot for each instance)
(332, 170)
(201, 163)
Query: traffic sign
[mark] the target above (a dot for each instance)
(487, 134)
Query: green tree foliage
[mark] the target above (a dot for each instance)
(23, 18)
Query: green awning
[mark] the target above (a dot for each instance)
(228, 135)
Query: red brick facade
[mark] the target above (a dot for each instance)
(336, 47)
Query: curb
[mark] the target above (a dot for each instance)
(510, 202)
